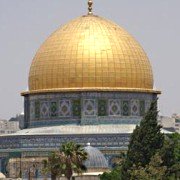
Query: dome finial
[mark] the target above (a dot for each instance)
(90, 3)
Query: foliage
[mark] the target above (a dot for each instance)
(68, 159)
(144, 143)
(151, 154)
(164, 164)
(118, 161)
(52, 165)
(176, 139)
(115, 174)
(167, 152)
(170, 154)
(154, 170)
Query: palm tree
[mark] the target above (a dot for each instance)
(66, 161)
(52, 165)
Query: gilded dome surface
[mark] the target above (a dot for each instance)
(90, 53)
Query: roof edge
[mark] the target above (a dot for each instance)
(91, 89)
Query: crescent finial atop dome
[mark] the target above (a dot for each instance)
(90, 3)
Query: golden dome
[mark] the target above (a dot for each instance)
(90, 53)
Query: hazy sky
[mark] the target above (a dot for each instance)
(25, 24)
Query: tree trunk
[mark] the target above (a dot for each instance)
(69, 174)
(69, 177)
(53, 177)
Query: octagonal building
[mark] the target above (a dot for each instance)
(88, 72)
(89, 82)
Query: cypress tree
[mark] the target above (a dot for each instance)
(145, 141)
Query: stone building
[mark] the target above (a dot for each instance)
(8, 127)
(168, 123)
(90, 81)
(177, 122)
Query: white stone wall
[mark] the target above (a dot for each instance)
(166, 122)
(8, 127)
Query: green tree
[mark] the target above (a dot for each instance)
(154, 170)
(52, 165)
(67, 160)
(145, 141)
(167, 154)
(170, 153)
(175, 137)
(115, 174)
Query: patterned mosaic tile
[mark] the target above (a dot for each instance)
(114, 107)
(65, 108)
(142, 108)
(32, 110)
(76, 107)
(125, 108)
(89, 107)
(102, 107)
(44, 109)
(135, 107)
(37, 109)
(86, 107)
(54, 109)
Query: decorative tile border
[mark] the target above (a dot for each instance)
(54, 141)
(86, 108)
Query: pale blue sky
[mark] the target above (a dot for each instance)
(25, 24)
